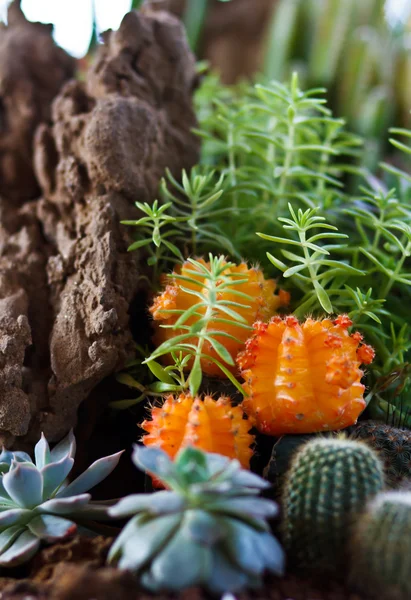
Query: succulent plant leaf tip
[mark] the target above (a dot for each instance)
(36, 503)
(208, 528)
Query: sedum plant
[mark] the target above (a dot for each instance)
(38, 505)
(209, 528)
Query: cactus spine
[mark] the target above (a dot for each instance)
(327, 486)
(393, 446)
(381, 557)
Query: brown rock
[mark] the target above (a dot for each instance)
(32, 70)
(69, 280)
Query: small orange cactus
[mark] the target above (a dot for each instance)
(262, 305)
(304, 378)
(208, 424)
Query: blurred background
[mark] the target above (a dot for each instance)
(359, 49)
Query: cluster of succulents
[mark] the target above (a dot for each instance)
(38, 504)
(208, 528)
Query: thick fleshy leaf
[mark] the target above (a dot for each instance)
(216, 463)
(67, 447)
(245, 506)
(22, 549)
(42, 453)
(157, 503)
(143, 539)
(154, 461)
(224, 576)
(251, 550)
(182, 563)
(12, 516)
(192, 465)
(54, 474)
(246, 478)
(98, 471)
(24, 484)
(64, 506)
(51, 528)
(8, 536)
(20, 456)
(201, 527)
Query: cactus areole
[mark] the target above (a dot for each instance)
(304, 378)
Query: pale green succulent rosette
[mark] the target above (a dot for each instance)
(36, 502)
(209, 529)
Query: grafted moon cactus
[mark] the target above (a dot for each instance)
(204, 423)
(304, 378)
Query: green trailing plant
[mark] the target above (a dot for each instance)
(393, 446)
(381, 561)
(37, 504)
(209, 528)
(212, 286)
(326, 488)
(275, 161)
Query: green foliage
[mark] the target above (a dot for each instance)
(381, 560)
(209, 309)
(208, 528)
(276, 162)
(353, 50)
(393, 446)
(327, 485)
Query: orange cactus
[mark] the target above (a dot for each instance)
(208, 424)
(262, 305)
(304, 378)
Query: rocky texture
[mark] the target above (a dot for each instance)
(32, 71)
(233, 36)
(66, 279)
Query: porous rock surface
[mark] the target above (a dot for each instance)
(66, 279)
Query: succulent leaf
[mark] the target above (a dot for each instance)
(153, 461)
(209, 512)
(34, 496)
(67, 446)
(8, 536)
(64, 506)
(24, 485)
(42, 452)
(22, 549)
(98, 471)
(54, 474)
(12, 516)
(152, 503)
(51, 528)
(182, 563)
(145, 539)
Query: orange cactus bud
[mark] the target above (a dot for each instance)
(262, 305)
(208, 424)
(303, 378)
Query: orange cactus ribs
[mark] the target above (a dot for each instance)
(303, 378)
(208, 424)
(262, 305)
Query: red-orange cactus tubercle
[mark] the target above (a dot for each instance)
(304, 378)
(208, 424)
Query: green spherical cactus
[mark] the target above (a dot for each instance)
(393, 446)
(327, 486)
(380, 548)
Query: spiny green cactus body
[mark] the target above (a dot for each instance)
(393, 446)
(327, 486)
(381, 556)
